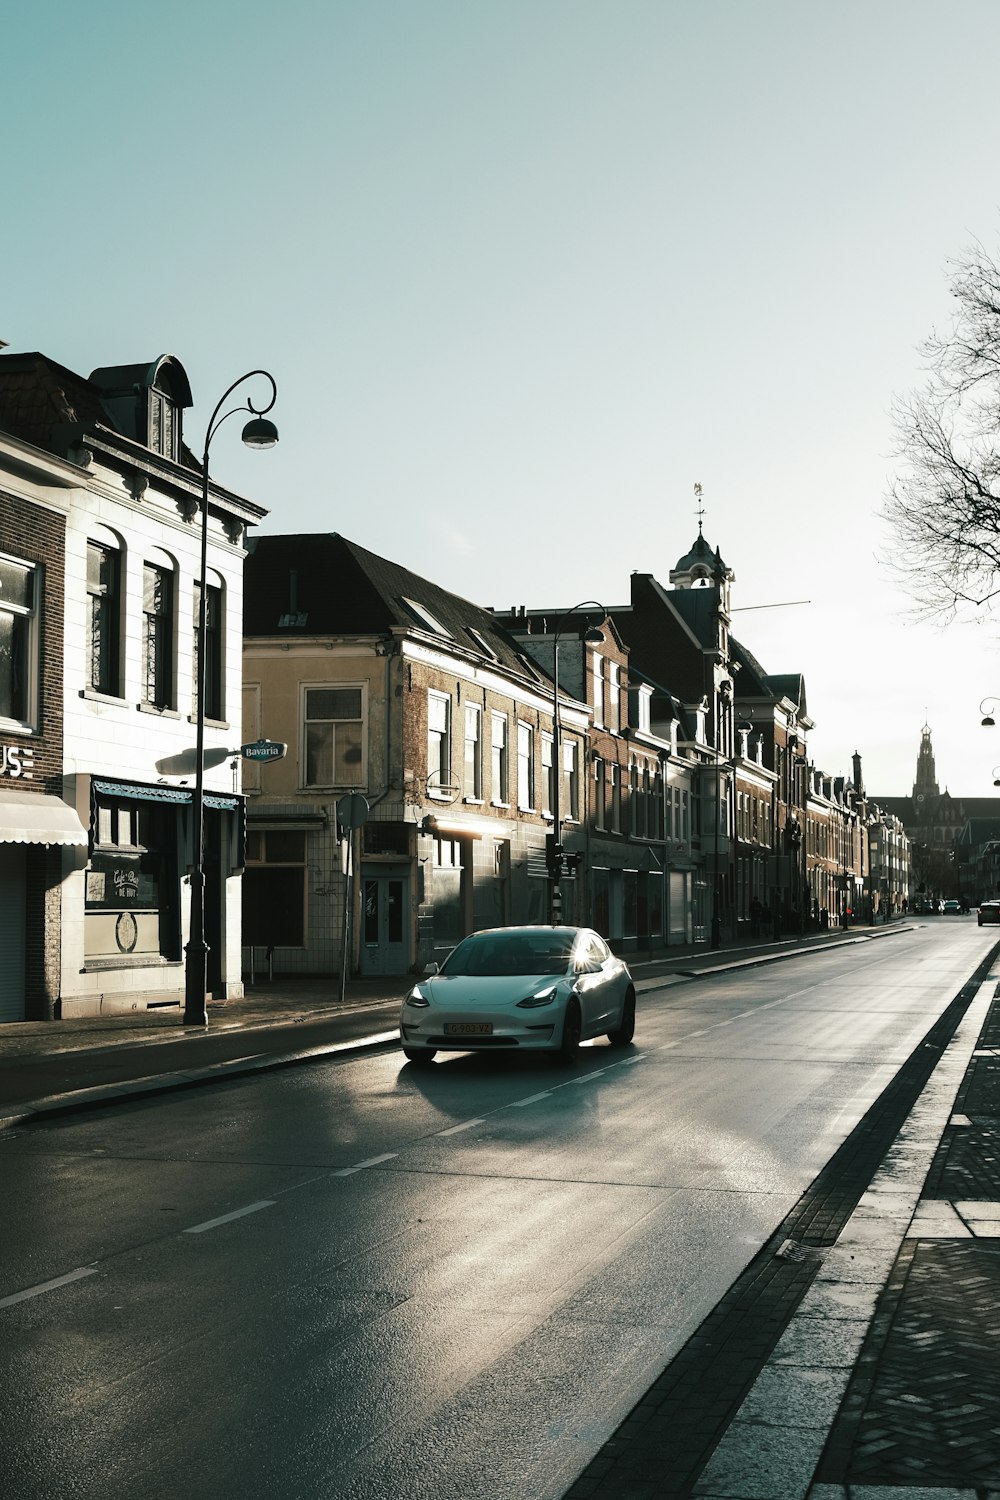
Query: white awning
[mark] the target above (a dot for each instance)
(38, 818)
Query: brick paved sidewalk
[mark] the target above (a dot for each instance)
(923, 1406)
(858, 1358)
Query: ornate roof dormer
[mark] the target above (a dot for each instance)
(146, 402)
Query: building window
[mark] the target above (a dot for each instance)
(615, 822)
(598, 672)
(570, 781)
(614, 697)
(18, 640)
(157, 639)
(213, 651)
(548, 776)
(104, 618)
(274, 889)
(525, 767)
(334, 723)
(131, 909)
(600, 793)
(438, 743)
(164, 427)
(473, 753)
(499, 746)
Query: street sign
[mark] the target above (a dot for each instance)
(264, 750)
(352, 810)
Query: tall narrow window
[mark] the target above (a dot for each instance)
(18, 639)
(548, 776)
(570, 781)
(334, 736)
(498, 731)
(438, 742)
(473, 753)
(213, 650)
(614, 697)
(598, 675)
(525, 767)
(104, 618)
(600, 793)
(615, 822)
(157, 617)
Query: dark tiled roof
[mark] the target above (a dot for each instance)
(38, 396)
(340, 588)
(697, 608)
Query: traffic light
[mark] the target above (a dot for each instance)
(553, 855)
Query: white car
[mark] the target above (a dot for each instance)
(531, 988)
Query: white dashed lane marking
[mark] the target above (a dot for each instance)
(455, 1129)
(47, 1286)
(237, 1213)
(372, 1161)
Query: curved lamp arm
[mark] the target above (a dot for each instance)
(988, 721)
(216, 421)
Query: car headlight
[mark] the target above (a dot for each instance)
(543, 997)
(417, 998)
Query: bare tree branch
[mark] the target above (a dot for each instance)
(944, 506)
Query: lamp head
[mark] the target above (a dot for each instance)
(988, 723)
(594, 636)
(260, 433)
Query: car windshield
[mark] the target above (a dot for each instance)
(496, 954)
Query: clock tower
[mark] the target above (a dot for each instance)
(925, 788)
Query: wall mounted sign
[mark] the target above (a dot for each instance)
(17, 761)
(264, 750)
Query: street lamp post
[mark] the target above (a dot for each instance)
(259, 432)
(592, 637)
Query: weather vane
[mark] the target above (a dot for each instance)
(701, 509)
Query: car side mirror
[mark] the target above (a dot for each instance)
(430, 969)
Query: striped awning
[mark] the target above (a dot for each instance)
(38, 818)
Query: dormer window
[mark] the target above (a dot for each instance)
(163, 425)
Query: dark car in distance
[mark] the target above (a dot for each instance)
(989, 911)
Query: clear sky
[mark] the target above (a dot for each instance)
(525, 272)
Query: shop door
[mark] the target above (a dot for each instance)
(384, 945)
(12, 882)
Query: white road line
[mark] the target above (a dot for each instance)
(372, 1161)
(586, 1077)
(531, 1099)
(47, 1286)
(454, 1129)
(238, 1213)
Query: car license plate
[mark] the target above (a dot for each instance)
(468, 1028)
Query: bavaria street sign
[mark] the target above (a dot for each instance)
(263, 750)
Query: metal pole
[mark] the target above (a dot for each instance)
(555, 899)
(196, 967)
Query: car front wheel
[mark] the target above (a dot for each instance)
(623, 1034)
(569, 1048)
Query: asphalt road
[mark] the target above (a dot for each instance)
(360, 1280)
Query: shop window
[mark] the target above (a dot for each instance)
(274, 889)
(131, 909)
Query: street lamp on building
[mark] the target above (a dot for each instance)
(988, 720)
(593, 636)
(259, 432)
